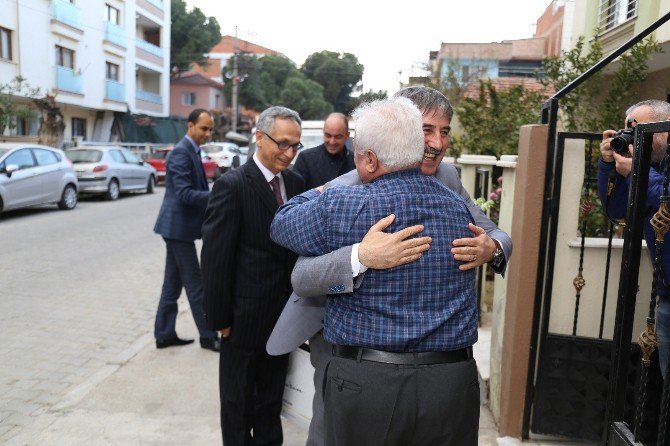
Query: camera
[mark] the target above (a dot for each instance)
(621, 140)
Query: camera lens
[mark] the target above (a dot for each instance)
(620, 143)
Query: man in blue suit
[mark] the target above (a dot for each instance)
(179, 221)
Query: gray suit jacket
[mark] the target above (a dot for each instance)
(315, 277)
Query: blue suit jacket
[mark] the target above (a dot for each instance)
(186, 195)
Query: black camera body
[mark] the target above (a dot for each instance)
(621, 140)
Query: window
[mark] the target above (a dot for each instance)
(117, 156)
(79, 127)
(64, 57)
(45, 157)
(130, 157)
(112, 71)
(22, 158)
(5, 43)
(465, 73)
(614, 12)
(112, 14)
(188, 98)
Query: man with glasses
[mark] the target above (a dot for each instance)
(246, 279)
(331, 159)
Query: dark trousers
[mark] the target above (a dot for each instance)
(320, 354)
(181, 270)
(251, 387)
(370, 403)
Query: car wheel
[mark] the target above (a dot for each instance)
(151, 184)
(236, 162)
(69, 198)
(217, 173)
(112, 190)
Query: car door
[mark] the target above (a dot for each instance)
(23, 186)
(121, 170)
(138, 174)
(50, 173)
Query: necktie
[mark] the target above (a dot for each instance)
(274, 183)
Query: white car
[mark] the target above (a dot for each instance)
(226, 154)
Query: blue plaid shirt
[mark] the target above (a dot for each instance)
(427, 305)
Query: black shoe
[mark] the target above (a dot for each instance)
(176, 341)
(213, 344)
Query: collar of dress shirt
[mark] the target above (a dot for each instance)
(266, 172)
(195, 146)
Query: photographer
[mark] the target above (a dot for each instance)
(614, 169)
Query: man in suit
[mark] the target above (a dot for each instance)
(329, 160)
(402, 370)
(179, 221)
(247, 279)
(342, 270)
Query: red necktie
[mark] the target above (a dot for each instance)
(274, 183)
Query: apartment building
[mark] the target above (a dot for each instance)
(617, 21)
(97, 57)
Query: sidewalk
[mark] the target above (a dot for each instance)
(165, 397)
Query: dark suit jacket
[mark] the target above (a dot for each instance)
(318, 167)
(186, 195)
(246, 276)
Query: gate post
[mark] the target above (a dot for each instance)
(522, 276)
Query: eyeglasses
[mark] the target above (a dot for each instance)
(284, 145)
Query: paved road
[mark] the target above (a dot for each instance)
(78, 288)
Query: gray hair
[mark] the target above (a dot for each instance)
(392, 129)
(266, 120)
(660, 110)
(429, 100)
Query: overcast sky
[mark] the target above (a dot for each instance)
(386, 38)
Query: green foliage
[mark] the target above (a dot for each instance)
(192, 35)
(491, 120)
(306, 97)
(338, 73)
(11, 105)
(372, 96)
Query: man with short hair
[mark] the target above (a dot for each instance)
(179, 221)
(329, 160)
(402, 371)
(342, 270)
(615, 168)
(247, 279)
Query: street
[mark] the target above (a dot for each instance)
(79, 287)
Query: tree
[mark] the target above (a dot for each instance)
(338, 73)
(491, 120)
(12, 106)
(306, 97)
(192, 35)
(372, 96)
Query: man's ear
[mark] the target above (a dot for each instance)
(371, 161)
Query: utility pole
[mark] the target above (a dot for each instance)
(236, 83)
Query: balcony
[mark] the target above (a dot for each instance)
(68, 80)
(149, 47)
(115, 34)
(147, 96)
(115, 91)
(66, 12)
(156, 3)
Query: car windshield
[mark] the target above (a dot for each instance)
(160, 155)
(212, 149)
(84, 156)
(3, 151)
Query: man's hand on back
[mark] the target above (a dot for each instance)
(474, 251)
(381, 250)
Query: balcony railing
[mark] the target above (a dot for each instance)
(156, 3)
(148, 96)
(115, 91)
(68, 80)
(68, 13)
(149, 47)
(115, 34)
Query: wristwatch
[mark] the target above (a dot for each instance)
(498, 258)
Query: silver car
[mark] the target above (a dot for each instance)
(31, 174)
(110, 170)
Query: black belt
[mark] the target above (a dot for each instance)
(418, 358)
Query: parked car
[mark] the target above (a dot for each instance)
(110, 170)
(31, 174)
(227, 154)
(159, 158)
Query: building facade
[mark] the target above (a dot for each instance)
(96, 57)
(193, 90)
